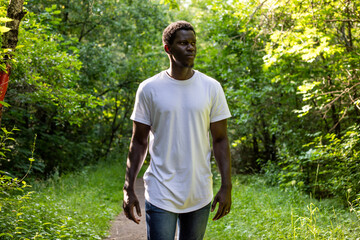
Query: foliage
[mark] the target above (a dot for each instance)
(327, 167)
(74, 206)
(318, 41)
(262, 212)
(290, 72)
(325, 53)
(80, 205)
(172, 4)
(8, 183)
(336, 162)
(12, 189)
(44, 94)
(261, 107)
(78, 67)
(289, 68)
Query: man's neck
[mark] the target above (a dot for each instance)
(181, 73)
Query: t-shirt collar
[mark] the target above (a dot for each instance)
(180, 82)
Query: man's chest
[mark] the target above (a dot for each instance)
(181, 101)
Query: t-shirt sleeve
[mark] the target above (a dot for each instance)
(141, 112)
(219, 109)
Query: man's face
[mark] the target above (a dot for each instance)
(183, 50)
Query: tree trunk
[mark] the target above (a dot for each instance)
(10, 38)
(15, 12)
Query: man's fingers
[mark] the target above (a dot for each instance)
(221, 212)
(132, 215)
(213, 205)
(223, 197)
(129, 211)
(138, 209)
(218, 212)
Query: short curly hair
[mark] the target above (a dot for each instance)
(170, 31)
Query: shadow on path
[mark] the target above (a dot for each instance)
(124, 229)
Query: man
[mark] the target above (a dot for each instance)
(178, 107)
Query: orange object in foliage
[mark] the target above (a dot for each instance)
(4, 80)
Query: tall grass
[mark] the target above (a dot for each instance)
(74, 206)
(81, 205)
(263, 212)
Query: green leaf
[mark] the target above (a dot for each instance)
(5, 19)
(4, 29)
(6, 234)
(172, 4)
(5, 104)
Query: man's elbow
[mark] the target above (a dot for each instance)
(140, 143)
(221, 140)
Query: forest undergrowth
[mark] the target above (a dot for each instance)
(78, 205)
(81, 205)
(263, 212)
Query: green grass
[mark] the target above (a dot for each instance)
(75, 206)
(263, 212)
(81, 206)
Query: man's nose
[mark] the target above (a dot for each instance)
(190, 47)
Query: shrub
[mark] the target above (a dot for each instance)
(328, 168)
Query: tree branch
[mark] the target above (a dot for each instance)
(342, 20)
(341, 94)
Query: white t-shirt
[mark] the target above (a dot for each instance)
(179, 177)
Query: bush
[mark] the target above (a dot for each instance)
(328, 168)
(12, 190)
(74, 206)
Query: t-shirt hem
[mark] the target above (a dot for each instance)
(176, 210)
(219, 118)
(141, 121)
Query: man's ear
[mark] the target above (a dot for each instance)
(166, 48)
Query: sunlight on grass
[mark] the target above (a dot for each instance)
(75, 206)
(81, 206)
(263, 212)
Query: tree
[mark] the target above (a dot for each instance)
(319, 39)
(78, 81)
(233, 57)
(9, 42)
(290, 71)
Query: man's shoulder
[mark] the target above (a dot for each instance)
(151, 81)
(207, 79)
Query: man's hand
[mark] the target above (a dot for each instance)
(131, 201)
(136, 157)
(223, 197)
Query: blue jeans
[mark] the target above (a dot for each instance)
(161, 224)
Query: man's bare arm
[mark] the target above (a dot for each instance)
(222, 155)
(136, 157)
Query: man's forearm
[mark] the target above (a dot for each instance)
(223, 159)
(135, 160)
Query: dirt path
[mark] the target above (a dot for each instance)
(124, 229)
